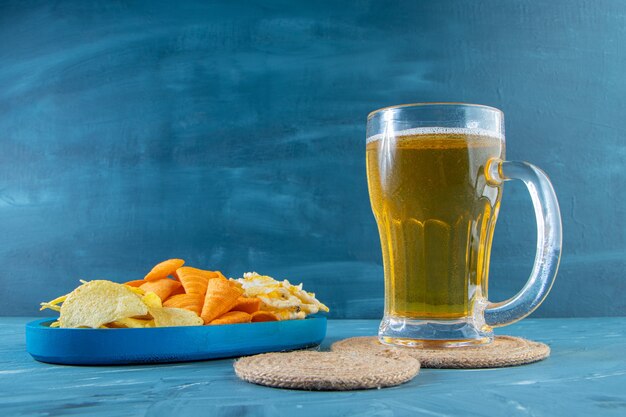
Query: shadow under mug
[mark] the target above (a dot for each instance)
(435, 175)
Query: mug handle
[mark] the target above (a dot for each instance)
(549, 241)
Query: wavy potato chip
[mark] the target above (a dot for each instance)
(98, 302)
(151, 300)
(131, 323)
(171, 316)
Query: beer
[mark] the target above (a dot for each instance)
(436, 216)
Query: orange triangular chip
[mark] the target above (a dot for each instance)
(232, 317)
(220, 298)
(162, 287)
(192, 302)
(219, 274)
(258, 316)
(135, 283)
(194, 280)
(164, 269)
(179, 290)
(247, 304)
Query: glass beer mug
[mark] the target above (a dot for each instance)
(435, 175)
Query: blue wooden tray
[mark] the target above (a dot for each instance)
(168, 344)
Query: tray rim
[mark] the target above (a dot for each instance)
(59, 345)
(38, 325)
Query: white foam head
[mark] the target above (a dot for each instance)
(437, 131)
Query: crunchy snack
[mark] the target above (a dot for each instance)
(130, 322)
(162, 287)
(259, 316)
(135, 283)
(286, 301)
(177, 291)
(173, 295)
(248, 305)
(164, 269)
(169, 316)
(151, 300)
(191, 302)
(220, 298)
(232, 317)
(194, 280)
(96, 303)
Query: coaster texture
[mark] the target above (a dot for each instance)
(503, 351)
(328, 371)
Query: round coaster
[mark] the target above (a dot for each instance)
(328, 371)
(503, 351)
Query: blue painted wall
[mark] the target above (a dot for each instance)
(232, 135)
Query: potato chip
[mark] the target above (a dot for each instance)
(246, 304)
(131, 323)
(151, 300)
(232, 317)
(163, 269)
(162, 287)
(136, 290)
(98, 302)
(169, 316)
(220, 297)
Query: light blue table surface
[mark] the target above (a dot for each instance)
(584, 376)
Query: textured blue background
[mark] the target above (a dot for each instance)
(232, 135)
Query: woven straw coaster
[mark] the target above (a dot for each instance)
(328, 371)
(503, 351)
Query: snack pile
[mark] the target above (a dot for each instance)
(172, 294)
(284, 300)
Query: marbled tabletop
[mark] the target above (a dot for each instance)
(584, 376)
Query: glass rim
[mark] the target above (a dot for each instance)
(432, 104)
